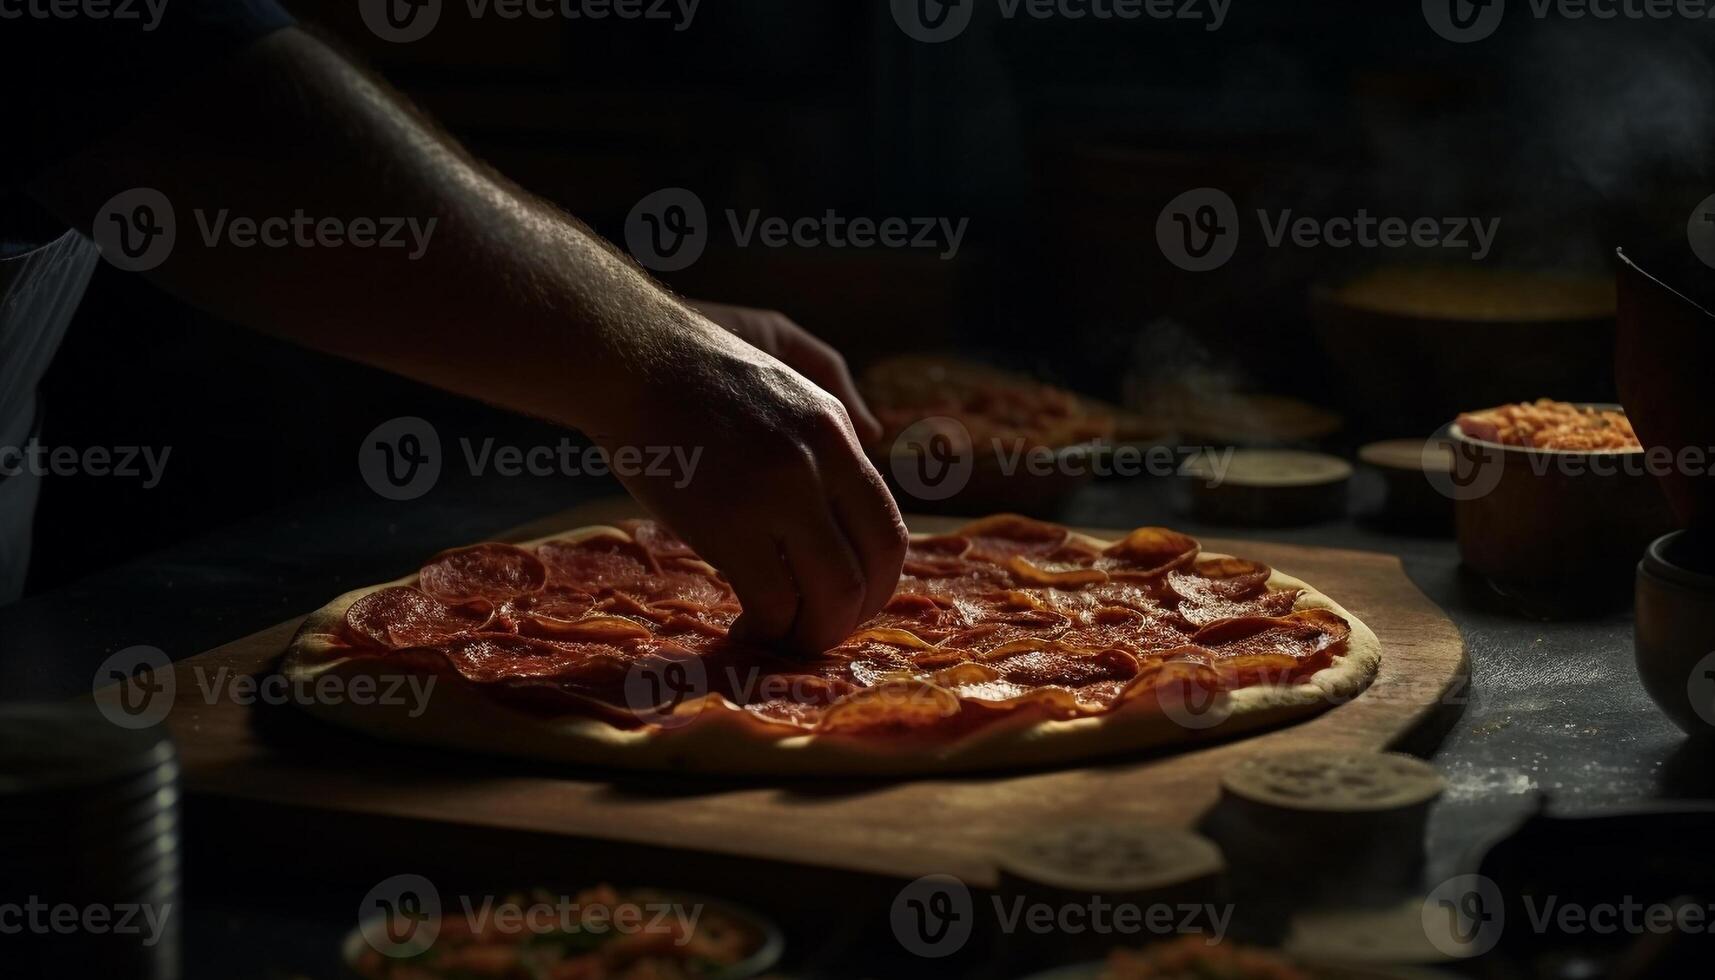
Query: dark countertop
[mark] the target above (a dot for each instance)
(1554, 708)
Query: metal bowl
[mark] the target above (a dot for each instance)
(1675, 628)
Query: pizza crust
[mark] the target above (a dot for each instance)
(734, 742)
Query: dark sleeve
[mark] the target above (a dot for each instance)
(73, 79)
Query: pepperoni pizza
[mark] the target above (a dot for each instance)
(1008, 642)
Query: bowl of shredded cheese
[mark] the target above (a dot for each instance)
(1554, 502)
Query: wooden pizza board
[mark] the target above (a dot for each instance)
(264, 773)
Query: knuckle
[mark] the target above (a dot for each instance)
(827, 418)
(817, 425)
(898, 544)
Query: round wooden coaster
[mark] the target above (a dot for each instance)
(1345, 826)
(1090, 878)
(1406, 466)
(1414, 456)
(1341, 782)
(1267, 487)
(1106, 859)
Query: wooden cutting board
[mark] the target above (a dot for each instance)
(274, 772)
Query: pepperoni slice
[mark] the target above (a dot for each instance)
(1004, 536)
(1054, 665)
(890, 706)
(927, 617)
(678, 590)
(482, 572)
(1233, 578)
(796, 699)
(1074, 553)
(1147, 552)
(870, 662)
(594, 629)
(1227, 588)
(1143, 596)
(605, 561)
(941, 556)
(1116, 627)
(489, 658)
(622, 604)
(549, 609)
(1202, 606)
(401, 617)
(1187, 673)
(992, 635)
(1308, 639)
(1059, 574)
(701, 629)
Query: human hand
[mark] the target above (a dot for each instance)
(780, 498)
(776, 334)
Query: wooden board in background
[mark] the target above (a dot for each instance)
(237, 757)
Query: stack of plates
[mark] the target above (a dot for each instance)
(89, 845)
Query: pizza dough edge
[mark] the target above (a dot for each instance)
(732, 742)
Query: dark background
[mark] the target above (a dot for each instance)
(1060, 141)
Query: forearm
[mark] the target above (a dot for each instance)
(506, 298)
